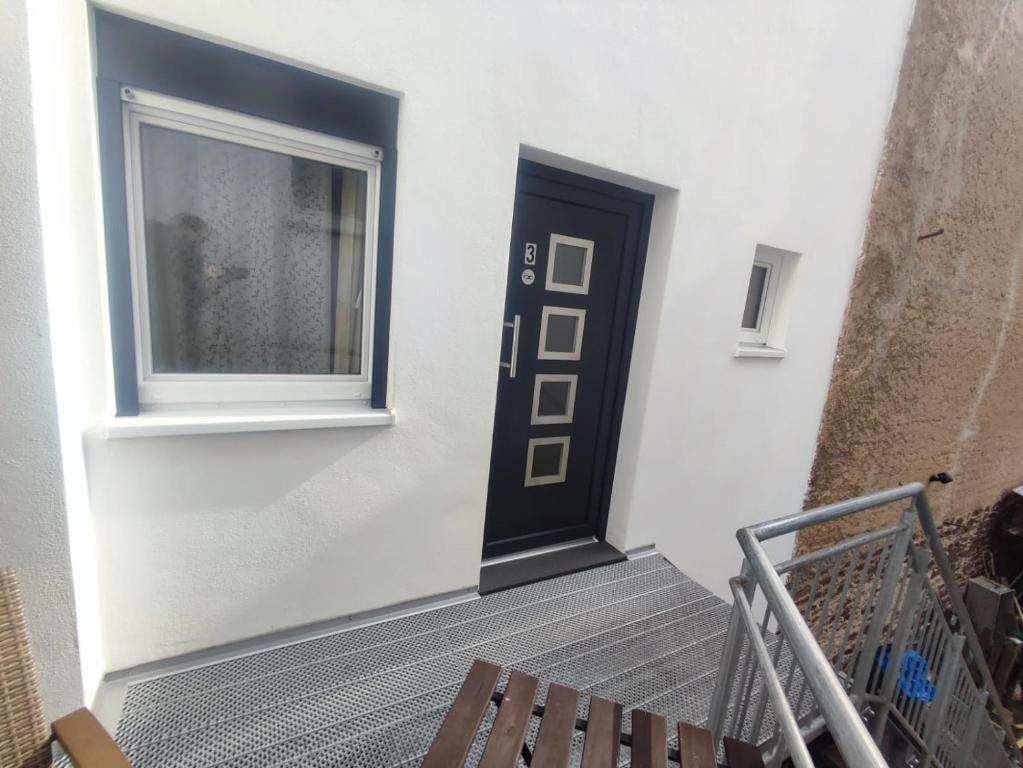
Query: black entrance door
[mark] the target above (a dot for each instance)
(574, 275)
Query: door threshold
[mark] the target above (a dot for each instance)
(536, 565)
(498, 559)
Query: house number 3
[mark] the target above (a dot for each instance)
(530, 253)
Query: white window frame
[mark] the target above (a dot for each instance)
(586, 245)
(169, 391)
(773, 263)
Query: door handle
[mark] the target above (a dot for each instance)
(511, 364)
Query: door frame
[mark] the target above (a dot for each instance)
(557, 184)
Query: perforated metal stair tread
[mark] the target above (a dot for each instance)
(638, 632)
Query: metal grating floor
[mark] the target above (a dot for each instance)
(640, 632)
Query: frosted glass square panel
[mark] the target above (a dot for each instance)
(554, 398)
(753, 310)
(254, 259)
(569, 261)
(546, 460)
(561, 333)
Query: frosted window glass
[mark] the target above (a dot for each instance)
(561, 332)
(569, 264)
(254, 259)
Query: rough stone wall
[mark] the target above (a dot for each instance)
(929, 371)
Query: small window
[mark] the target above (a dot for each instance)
(253, 256)
(761, 328)
(547, 460)
(554, 398)
(569, 261)
(561, 333)
(756, 315)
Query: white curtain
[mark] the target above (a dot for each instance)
(245, 271)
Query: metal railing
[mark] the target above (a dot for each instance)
(855, 638)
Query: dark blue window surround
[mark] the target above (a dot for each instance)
(131, 53)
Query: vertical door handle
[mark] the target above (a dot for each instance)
(514, 325)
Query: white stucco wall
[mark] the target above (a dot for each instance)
(33, 521)
(766, 117)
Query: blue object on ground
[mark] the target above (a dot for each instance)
(913, 680)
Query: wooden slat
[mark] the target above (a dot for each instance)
(739, 754)
(554, 742)
(504, 744)
(603, 734)
(696, 747)
(87, 743)
(649, 740)
(456, 735)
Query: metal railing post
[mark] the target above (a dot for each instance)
(944, 684)
(869, 647)
(893, 667)
(890, 627)
(979, 714)
(772, 685)
(729, 660)
(843, 720)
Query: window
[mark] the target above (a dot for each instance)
(252, 253)
(569, 260)
(546, 460)
(764, 314)
(554, 398)
(756, 315)
(561, 333)
(249, 224)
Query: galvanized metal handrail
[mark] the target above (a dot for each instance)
(874, 609)
(844, 723)
(785, 717)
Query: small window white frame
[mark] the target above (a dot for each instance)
(577, 342)
(772, 262)
(542, 378)
(170, 391)
(587, 246)
(562, 469)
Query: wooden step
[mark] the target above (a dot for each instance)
(506, 745)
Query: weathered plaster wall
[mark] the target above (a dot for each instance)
(33, 523)
(929, 373)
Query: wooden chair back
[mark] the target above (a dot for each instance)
(24, 730)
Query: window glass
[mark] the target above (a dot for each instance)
(561, 333)
(254, 259)
(547, 460)
(553, 398)
(754, 297)
(569, 264)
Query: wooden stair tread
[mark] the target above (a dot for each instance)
(452, 743)
(649, 740)
(504, 745)
(554, 742)
(696, 747)
(603, 734)
(739, 754)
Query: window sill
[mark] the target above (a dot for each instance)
(759, 350)
(165, 424)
